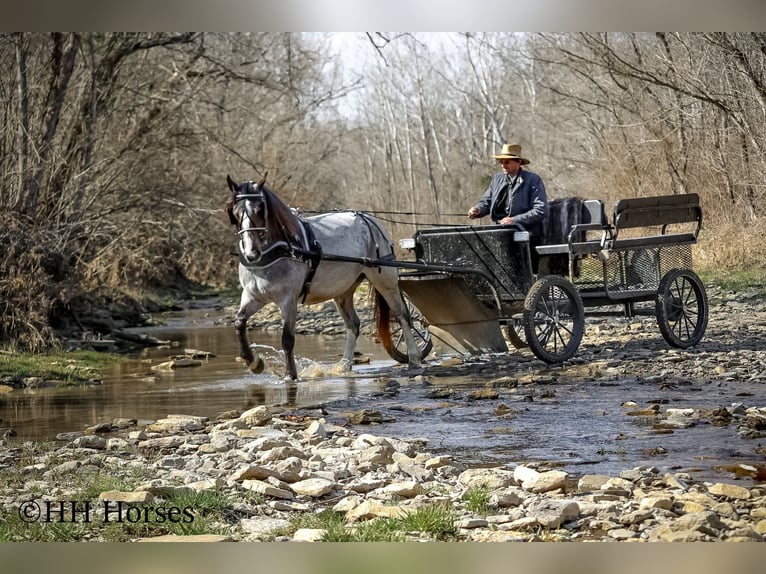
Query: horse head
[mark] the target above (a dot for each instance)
(263, 221)
(248, 211)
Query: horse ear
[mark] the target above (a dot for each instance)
(263, 179)
(231, 182)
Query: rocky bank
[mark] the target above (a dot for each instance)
(274, 464)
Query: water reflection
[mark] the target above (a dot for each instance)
(132, 389)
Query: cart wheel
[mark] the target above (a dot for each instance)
(516, 334)
(554, 319)
(392, 337)
(681, 308)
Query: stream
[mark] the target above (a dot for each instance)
(581, 426)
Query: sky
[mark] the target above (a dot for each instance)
(422, 15)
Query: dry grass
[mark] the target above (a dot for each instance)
(732, 255)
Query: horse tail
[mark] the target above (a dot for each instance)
(382, 314)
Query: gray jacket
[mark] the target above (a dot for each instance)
(528, 205)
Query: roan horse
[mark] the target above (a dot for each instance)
(284, 259)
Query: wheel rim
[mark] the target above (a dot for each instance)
(554, 323)
(682, 308)
(419, 330)
(516, 334)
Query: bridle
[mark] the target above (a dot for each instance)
(267, 249)
(247, 213)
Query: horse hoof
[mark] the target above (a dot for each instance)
(342, 366)
(258, 366)
(415, 371)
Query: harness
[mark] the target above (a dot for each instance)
(306, 248)
(312, 254)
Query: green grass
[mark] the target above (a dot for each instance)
(68, 368)
(477, 500)
(743, 279)
(438, 522)
(206, 512)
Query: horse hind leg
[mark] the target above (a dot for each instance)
(389, 290)
(345, 305)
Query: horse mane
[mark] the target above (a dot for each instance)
(283, 224)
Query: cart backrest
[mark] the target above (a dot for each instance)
(594, 212)
(568, 213)
(658, 211)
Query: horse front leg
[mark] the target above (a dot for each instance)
(289, 309)
(247, 309)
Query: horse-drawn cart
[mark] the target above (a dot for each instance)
(469, 282)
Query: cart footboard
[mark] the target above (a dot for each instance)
(457, 319)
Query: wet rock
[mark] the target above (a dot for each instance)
(365, 417)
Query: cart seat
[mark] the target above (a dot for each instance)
(668, 212)
(569, 221)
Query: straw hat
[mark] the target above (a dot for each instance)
(511, 151)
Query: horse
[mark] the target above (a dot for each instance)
(284, 258)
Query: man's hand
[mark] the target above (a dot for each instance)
(473, 213)
(506, 221)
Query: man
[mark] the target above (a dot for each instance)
(515, 196)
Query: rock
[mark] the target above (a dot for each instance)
(189, 538)
(591, 482)
(266, 489)
(255, 417)
(553, 513)
(261, 526)
(491, 478)
(309, 535)
(365, 417)
(546, 481)
(313, 487)
(177, 424)
(372, 509)
(729, 490)
(138, 497)
(406, 489)
(90, 441)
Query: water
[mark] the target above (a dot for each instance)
(581, 426)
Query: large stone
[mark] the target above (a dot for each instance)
(546, 482)
(377, 455)
(313, 487)
(405, 489)
(140, 497)
(90, 441)
(262, 526)
(591, 482)
(309, 535)
(255, 417)
(252, 471)
(189, 538)
(729, 490)
(373, 509)
(267, 489)
(177, 424)
(554, 513)
(491, 478)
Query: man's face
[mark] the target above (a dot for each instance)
(510, 166)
